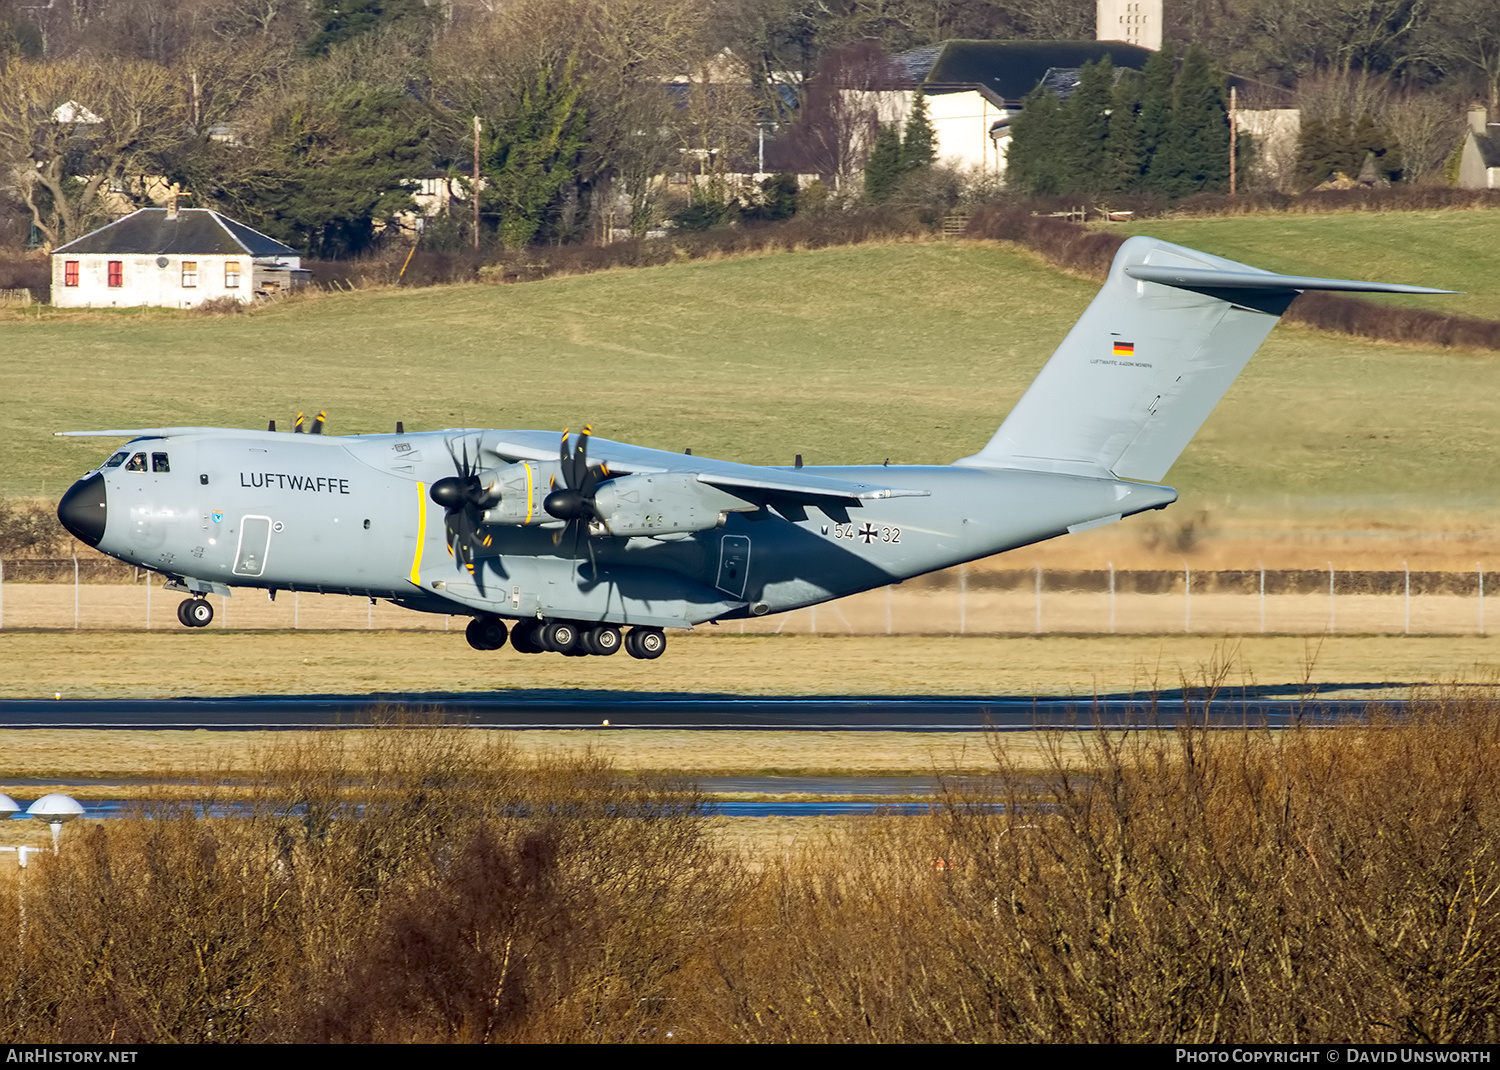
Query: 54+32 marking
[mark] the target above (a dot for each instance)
(867, 534)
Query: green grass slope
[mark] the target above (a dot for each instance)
(1452, 250)
(909, 351)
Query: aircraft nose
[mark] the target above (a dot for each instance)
(83, 509)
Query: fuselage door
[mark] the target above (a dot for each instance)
(255, 538)
(734, 564)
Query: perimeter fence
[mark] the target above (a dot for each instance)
(69, 593)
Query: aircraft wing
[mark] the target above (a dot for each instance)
(745, 480)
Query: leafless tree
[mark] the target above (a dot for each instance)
(839, 113)
(69, 129)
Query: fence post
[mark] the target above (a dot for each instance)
(148, 600)
(296, 610)
(812, 620)
(1331, 623)
(1263, 598)
(1111, 598)
(75, 592)
(963, 599)
(2, 594)
(1039, 600)
(1187, 597)
(1479, 564)
(370, 615)
(888, 588)
(1407, 569)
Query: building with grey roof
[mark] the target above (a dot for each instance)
(172, 258)
(1479, 166)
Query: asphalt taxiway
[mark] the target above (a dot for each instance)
(577, 709)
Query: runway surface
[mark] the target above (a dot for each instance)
(607, 710)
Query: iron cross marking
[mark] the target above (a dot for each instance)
(868, 533)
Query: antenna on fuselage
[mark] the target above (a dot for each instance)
(400, 428)
(270, 425)
(319, 423)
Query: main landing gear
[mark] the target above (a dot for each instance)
(195, 612)
(569, 638)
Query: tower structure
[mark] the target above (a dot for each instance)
(1136, 22)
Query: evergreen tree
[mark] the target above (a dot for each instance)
(1085, 129)
(533, 155)
(342, 20)
(1033, 163)
(1198, 134)
(330, 170)
(1122, 161)
(883, 170)
(1156, 112)
(918, 142)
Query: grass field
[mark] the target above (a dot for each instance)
(910, 351)
(1452, 250)
(84, 665)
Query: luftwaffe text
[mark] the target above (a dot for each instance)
(288, 481)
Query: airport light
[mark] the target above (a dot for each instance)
(55, 809)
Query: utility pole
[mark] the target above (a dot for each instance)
(474, 185)
(1233, 133)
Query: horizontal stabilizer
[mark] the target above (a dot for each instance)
(1205, 279)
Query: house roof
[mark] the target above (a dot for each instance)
(200, 231)
(1008, 69)
(1488, 146)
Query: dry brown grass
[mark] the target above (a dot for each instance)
(1307, 886)
(214, 662)
(151, 757)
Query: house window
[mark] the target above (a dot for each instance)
(189, 273)
(231, 274)
(70, 272)
(117, 273)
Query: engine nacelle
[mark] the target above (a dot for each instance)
(523, 487)
(664, 503)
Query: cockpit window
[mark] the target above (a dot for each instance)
(117, 460)
(159, 463)
(137, 463)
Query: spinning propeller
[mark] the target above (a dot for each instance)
(464, 500)
(574, 500)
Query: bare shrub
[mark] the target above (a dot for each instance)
(29, 528)
(1186, 886)
(220, 306)
(416, 884)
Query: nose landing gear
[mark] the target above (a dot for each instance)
(195, 612)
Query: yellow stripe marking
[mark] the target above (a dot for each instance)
(528, 492)
(416, 561)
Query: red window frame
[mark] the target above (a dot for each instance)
(70, 272)
(117, 273)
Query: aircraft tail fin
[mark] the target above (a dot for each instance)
(1147, 362)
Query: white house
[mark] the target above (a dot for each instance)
(974, 89)
(1479, 166)
(172, 258)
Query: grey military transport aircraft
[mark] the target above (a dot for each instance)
(564, 549)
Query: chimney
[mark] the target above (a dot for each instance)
(1477, 118)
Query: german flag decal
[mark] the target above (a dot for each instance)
(1124, 349)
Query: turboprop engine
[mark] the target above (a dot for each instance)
(664, 503)
(626, 506)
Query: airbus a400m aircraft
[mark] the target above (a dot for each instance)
(563, 549)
